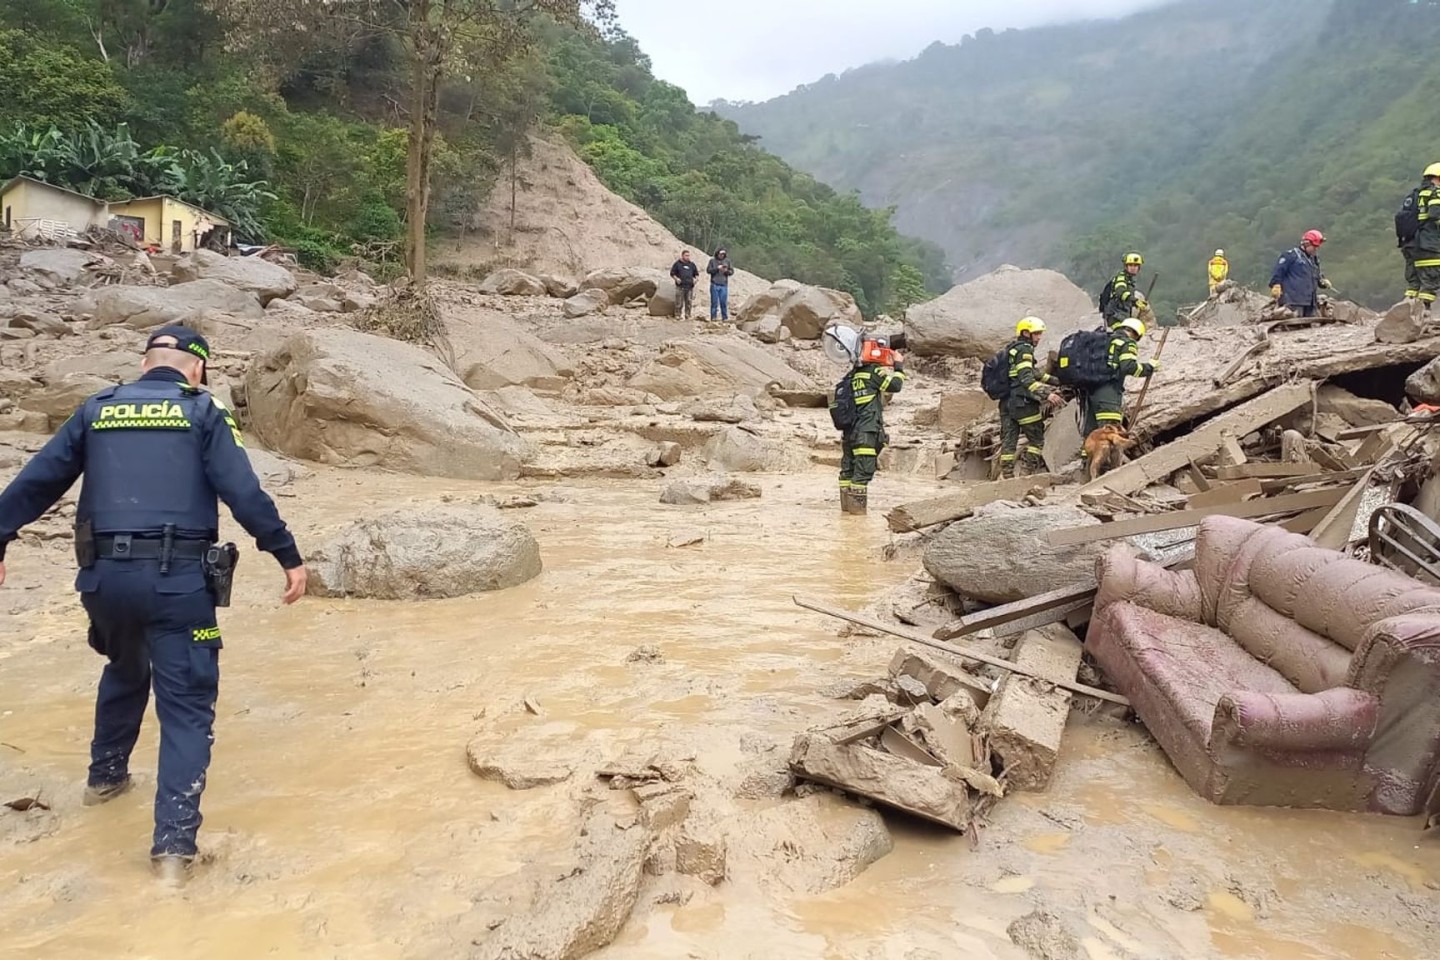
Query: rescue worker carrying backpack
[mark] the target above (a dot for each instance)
(858, 411)
(1417, 228)
(1104, 404)
(1022, 411)
(1122, 299)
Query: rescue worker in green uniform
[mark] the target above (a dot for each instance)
(1426, 245)
(879, 371)
(1105, 405)
(1022, 412)
(1122, 298)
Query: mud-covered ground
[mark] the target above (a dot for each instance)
(342, 820)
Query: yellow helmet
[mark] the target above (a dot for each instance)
(1433, 170)
(1029, 325)
(1135, 326)
(1134, 259)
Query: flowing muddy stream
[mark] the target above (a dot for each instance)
(342, 820)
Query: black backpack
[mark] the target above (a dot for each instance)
(995, 375)
(1084, 359)
(844, 411)
(1407, 218)
(1107, 295)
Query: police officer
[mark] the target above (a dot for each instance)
(1298, 279)
(1022, 412)
(155, 453)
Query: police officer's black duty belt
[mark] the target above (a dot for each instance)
(126, 547)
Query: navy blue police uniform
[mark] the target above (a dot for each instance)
(156, 454)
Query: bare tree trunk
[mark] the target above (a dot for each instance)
(430, 42)
(514, 160)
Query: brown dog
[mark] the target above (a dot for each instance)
(1104, 446)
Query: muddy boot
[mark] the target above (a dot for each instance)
(96, 794)
(859, 501)
(171, 870)
(845, 500)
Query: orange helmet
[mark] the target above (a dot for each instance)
(1313, 237)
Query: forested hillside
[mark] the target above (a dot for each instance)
(305, 138)
(1209, 123)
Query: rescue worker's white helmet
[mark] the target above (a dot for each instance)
(1219, 253)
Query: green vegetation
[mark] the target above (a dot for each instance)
(1205, 124)
(305, 134)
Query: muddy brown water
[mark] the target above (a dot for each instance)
(342, 820)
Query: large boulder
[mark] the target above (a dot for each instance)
(264, 279)
(1235, 307)
(1423, 386)
(586, 302)
(60, 398)
(804, 309)
(665, 299)
(977, 318)
(739, 451)
(960, 408)
(561, 288)
(492, 351)
(623, 284)
(508, 282)
(437, 551)
(143, 308)
(1004, 556)
(116, 366)
(61, 265)
(1356, 411)
(349, 398)
(696, 368)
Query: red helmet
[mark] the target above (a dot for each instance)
(1313, 237)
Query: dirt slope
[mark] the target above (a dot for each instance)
(567, 222)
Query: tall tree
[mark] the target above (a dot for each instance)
(440, 37)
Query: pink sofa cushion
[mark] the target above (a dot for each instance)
(1191, 665)
(1310, 662)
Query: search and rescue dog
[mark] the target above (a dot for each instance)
(1104, 447)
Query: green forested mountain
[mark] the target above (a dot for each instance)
(1203, 124)
(308, 131)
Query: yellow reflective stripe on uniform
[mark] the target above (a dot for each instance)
(1116, 417)
(1428, 297)
(1428, 263)
(861, 401)
(205, 634)
(1024, 365)
(1026, 421)
(180, 424)
(864, 452)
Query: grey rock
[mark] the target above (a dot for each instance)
(143, 308)
(1004, 556)
(802, 309)
(427, 553)
(585, 303)
(513, 283)
(61, 264)
(257, 276)
(45, 324)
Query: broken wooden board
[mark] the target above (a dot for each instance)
(1251, 471)
(1224, 493)
(1063, 441)
(916, 788)
(1292, 503)
(909, 517)
(940, 680)
(1158, 464)
(1026, 718)
(1231, 453)
(924, 641)
(1280, 484)
(1305, 522)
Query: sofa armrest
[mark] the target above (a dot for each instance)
(1340, 719)
(1410, 642)
(1123, 577)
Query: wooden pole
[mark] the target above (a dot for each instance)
(1140, 401)
(925, 641)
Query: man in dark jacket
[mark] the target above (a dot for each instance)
(1298, 279)
(684, 272)
(720, 270)
(1104, 406)
(1426, 273)
(878, 371)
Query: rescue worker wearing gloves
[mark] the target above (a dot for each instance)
(1298, 279)
(1425, 277)
(155, 454)
(1105, 405)
(1022, 413)
(1122, 299)
(879, 371)
(1219, 272)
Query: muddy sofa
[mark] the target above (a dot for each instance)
(1277, 672)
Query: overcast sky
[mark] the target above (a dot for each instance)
(758, 49)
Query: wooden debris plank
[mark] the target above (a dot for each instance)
(1231, 453)
(1060, 602)
(1369, 430)
(1279, 484)
(1224, 493)
(924, 641)
(1305, 522)
(909, 517)
(1200, 480)
(1338, 461)
(1293, 503)
(1376, 446)
(1026, 721)
(1333, 530)
(1159, 463)
(1251, 471)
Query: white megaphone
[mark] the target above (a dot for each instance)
(841, 344)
